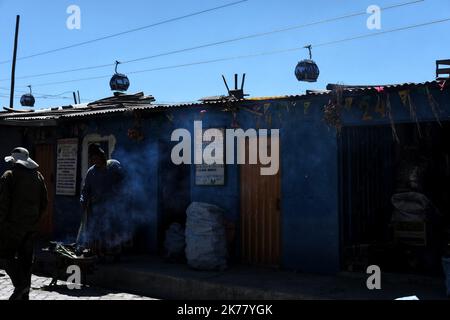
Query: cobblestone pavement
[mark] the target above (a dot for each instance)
(41, 291)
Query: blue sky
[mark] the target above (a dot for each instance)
(406, 56)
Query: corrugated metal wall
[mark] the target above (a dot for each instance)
(367, 181)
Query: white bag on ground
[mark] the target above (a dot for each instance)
(174, 243)
(206, 244)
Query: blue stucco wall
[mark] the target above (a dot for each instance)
(310, 217)
(309, 166)
(140, 161)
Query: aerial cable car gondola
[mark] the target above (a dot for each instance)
(307, 70)
(119, 81)
(27, 100)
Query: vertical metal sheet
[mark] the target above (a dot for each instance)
(367, 181)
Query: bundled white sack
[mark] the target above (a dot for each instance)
(206, 244)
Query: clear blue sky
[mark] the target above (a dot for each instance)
(406, 56)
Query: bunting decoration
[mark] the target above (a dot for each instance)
(348, 103)
(364, 104)
(391, 119)
(234, 122)
(170, 117)
(380, 108)
(413, 113)
(433, 105)
(404, 95)
(306, 106)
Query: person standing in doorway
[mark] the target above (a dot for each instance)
(102, 205)
(23, 201)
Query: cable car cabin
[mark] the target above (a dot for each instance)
(27, 100)
(119, 82)
(307, 70)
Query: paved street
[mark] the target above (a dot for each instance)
(41, 291)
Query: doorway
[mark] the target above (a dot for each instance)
(260, 214)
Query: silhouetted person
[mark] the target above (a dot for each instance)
(101, 203)
(23, 200)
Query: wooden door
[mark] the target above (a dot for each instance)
(260, 216)
(45, 157)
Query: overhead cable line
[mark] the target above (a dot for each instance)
(369, 35)
(212, 44)
(127, 31)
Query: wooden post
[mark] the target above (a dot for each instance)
(13, 70)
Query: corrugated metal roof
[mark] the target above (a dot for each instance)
(126, 103)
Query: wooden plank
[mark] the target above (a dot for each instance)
(446, 61)
(443, 71)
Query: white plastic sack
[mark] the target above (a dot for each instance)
(410, 206)
(206, 244)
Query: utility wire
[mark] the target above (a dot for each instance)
(257, 54)
(127, 31)
(245, 37)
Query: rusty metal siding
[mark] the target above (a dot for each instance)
(260, 217)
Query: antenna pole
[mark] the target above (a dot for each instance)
(243, 81)
(13, 69)
(225, 81)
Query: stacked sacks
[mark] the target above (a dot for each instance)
(206, 243)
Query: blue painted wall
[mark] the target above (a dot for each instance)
(309, 166)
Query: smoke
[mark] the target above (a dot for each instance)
(131, 201)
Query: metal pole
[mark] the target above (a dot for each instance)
(79, 100)
(74, 97)
(13, 70)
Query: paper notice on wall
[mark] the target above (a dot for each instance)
(211, 174)
(66, 167)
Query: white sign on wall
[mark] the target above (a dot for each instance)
(210, 175)
(66, 167)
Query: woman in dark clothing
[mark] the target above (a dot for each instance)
(23, 200)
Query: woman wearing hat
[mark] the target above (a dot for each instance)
(23, 200)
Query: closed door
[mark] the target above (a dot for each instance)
(260, 216)
(45, 157)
